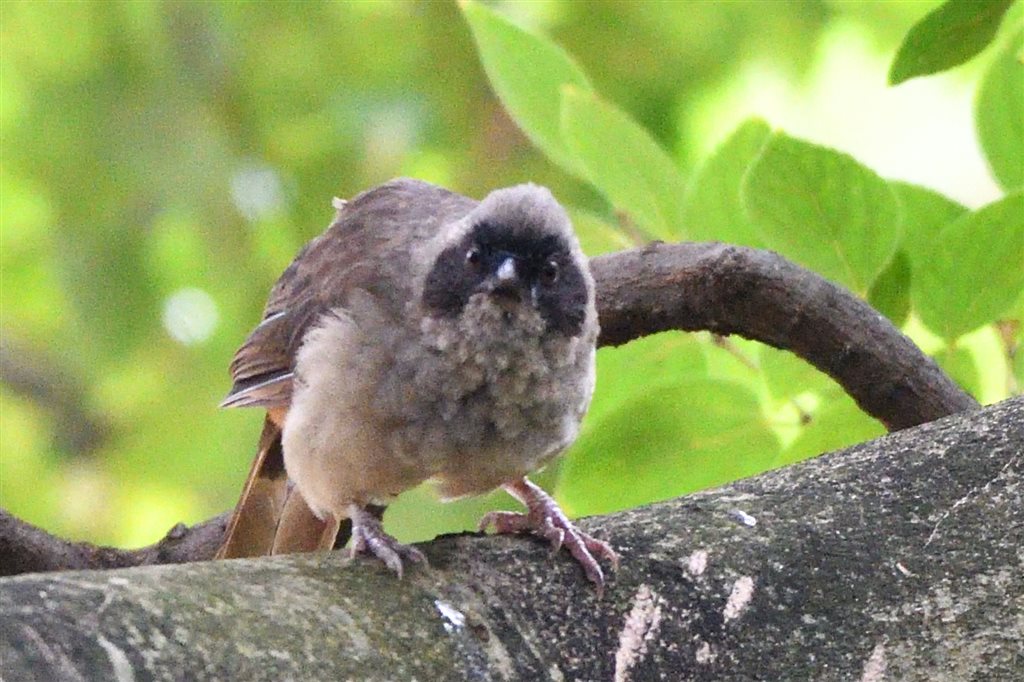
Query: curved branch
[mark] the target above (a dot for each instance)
(762, 296)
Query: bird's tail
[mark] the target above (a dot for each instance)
(271, 517)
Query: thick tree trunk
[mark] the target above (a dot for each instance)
(902, 558)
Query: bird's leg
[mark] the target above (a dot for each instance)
(368, 537)
(544, 518)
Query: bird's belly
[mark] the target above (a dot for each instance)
(483, 445)
(340, 458)
(471, 415)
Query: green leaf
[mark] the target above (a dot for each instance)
(959, 364)
(973, 271)
(836, 424)
(925, 214)
(788, 375)
(596, 234)
(624, 162)
(999, 115)
(657, 359)
(711, 207)
(947, 37)
(824, 210)
(890, 294)
(1018, 368)
(527, 73)
(418, 515)
(667, 442)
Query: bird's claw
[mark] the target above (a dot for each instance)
(545, 519)
(369, 538)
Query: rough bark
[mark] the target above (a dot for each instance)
(24, 548)
(896, 559)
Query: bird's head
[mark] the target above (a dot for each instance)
(515, 249)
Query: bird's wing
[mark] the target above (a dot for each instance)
(368, 248)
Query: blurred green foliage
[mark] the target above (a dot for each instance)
(163, 162)
(947, 37)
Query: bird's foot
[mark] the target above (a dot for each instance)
(368, 537)
(546, 519)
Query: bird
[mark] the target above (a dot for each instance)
(424, 336)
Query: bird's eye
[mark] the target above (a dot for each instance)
(549, 272)
(474, 259)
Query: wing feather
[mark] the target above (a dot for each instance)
(369, 247)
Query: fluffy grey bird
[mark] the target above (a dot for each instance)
(423, 336)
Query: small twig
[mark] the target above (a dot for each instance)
(634, 232)
(729, 347)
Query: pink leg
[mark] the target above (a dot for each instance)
(368, 537)
(544, 518)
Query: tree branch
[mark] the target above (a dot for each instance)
(24, 548)
(894, 559)
(762, 296)
(689, 286)
(41, 379)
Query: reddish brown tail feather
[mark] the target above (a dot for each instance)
(271, 517)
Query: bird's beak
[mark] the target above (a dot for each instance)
(506, 283)
(507, 271)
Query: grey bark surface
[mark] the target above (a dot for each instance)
(897, 559)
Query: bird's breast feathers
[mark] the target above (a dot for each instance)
(472, 401)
